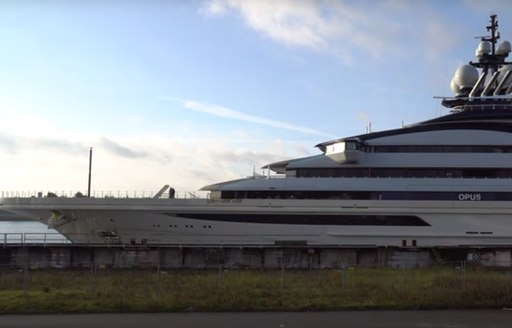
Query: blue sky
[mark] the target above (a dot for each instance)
(189, 93)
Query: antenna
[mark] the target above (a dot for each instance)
(369, 126)
(494, 36)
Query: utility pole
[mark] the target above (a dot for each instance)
(90, 165)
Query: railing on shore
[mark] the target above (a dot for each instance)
(32, 238)
(103, 194)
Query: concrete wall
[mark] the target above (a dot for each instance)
(242, 258)
(208, 258)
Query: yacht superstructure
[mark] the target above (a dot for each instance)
(442, 182)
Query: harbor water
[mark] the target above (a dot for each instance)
(23, 232)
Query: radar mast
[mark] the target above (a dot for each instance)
(492, 86)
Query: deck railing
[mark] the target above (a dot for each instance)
(102, 194)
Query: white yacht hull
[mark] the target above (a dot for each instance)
(237, 223)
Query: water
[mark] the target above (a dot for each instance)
(24, 227)
(27, 232)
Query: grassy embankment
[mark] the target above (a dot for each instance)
(149, 291)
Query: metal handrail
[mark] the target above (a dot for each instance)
(101, 194)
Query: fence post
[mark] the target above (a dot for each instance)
(221, 275)
(342, 276)
(404, 279)
(26, 274)
(93, 275)
(158, 287)
(463, 273)
(282, 268)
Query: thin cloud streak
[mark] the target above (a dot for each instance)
(225, 112)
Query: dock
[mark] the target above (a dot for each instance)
(47, 250)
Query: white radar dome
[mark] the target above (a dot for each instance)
(484, 48)
(455, 88)
(504, 48)
(464, 80)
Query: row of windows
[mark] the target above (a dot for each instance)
(368, 195)
(437, 149)
(404, 173)
(293, 194)
(186, 226)
(428, 148)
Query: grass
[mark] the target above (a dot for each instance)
(72, 291)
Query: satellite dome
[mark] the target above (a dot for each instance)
(484, 48)
(504, 48)
(464, 80)
(455, 88)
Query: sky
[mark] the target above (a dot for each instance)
(189, 93)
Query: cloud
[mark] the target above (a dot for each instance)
(333, 26)
(120, 150)
(7, 143)
(70, 147)
(225, 112)
(247, 157)
(345, 29)
(13, 144)
(137, 162)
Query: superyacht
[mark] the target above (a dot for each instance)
(443, 182)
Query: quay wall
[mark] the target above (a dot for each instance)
(69, 257)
